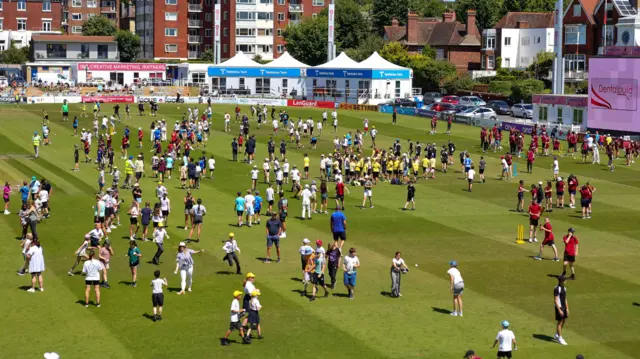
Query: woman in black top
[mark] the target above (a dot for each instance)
(324, 196)
(188, 205)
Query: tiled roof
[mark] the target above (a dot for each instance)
(534, 20)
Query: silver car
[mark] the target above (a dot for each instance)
(479, 113)
(471, 101)
(524, 110)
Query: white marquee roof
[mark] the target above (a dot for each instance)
(375, 61)
(240, 60)
(341, 62)
(286, 61)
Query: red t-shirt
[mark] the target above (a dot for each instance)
(585, 192)
(547, 192)
(560, 186)
(573, 184)
(508, 159)
(530, 156)
(340, 189)
(535, 210)
(548, 236)
(570, 245)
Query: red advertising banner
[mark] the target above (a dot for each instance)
(310, 103)
(120, 66)
(569, 100)
(109, 99)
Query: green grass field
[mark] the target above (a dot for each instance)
(477, 229)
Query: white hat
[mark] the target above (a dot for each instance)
(266, 160)
(182, 244)
(306, 186)
(51, 356)
(254, 166)
(306, 241)
(540, 182)
(559, 178)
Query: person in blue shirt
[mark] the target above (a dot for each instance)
(157, 134)
(24, 192)
(257, 207)
(348, 138)
(339, 227)
(169, 165)
(126, 132)
(467, 163)
(75, 126)
(34, 186)
(239, 207)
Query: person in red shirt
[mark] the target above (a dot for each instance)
(521, 191)
(509, 160)
(470, 354)
(545, 144)
(548, 240)
(556, 146)
(535, 211)
(140, 136)
(125, 146)
(548, 197)
(560, 193)
(573, 186)
(585, 201)
(570, 252)
(340, 188)
(531, 157)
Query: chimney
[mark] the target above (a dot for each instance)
(449, 16)
(394, 22)
(412, 27)
(472, 29)
(522, 25)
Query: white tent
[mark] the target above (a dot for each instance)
(375, 61)
(240, 60)
(341, 62)
(286, 61)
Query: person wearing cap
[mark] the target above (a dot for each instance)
(239, 207)
(157, 297)
(159, 234)
(257, 206)
(456, 286)
(254, 176)
(505, 340)
(230, 248)
(305, 252)
(254, 316)
(570, 252)
(368, 192)
(560, 193)
(561, 308)
(548, 240)
(184, 263)
(248, 286)
(265, 170)
(470, 354)
(234, 324)
(139, 168)
(274, 231)
(535, 211)
(250, 200)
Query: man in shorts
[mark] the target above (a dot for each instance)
(548, 240)
(339, 227)
(570, 252)
(274, 230)
(535, 211)
(561, 308)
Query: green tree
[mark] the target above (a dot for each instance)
(14, 55)
(457, 82)
(488, 12)
(351, 26)
(367, 46)
(428, 73)
(99, 26)
(385, 10)
(128, 45)
(523, 90)
(207, 56)
(427, 8)
(500, 87)
(541, 66)
(396, 53)
(307, 41)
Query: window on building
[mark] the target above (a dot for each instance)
(279, 32)
(245, 32)
(207, 32)
(537, 39)
(575, 34)
(198, 77)
(46, 25)
(281, 2)
(265, 32)
(268, 16)
(577, 10)
(559, 114)
(491, 62)
(507, 41)
(241, 82)
(92, 3)
(208, 17)
(170, 48)
(577, 116)
(76, 3)
(76, 29)
(280, 49)
(265, 48)
(607, 33)
(483, 62)
(524, 61)
(1, 4)
(225, 48)
(22, 24)
(171, 2)
(246, 15)
(208, 47)
(249, 49)
(22, 5)
(77, 16)
(543, 113)
(285, 85)
(318, 3)
(439, 54)
(245, 1)
(490, 42)
(266, 1)
(84, 51)
(171, 16)
(263, 86)
(524, 41)
(225, 32)
(225, 15)
(56, 51)
(172, 31)
(103, 52)
(314, 15)
(90, 16)
(506, 62)
(46, 5)
(1, 26)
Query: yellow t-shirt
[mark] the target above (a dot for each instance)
(416, 166)
(425, 162)
(396, 164)
(389, 165)
(306, 161)
(376, 167)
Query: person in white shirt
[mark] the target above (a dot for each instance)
(270, 193)
(285, 169)
(265, 169)
(254, 316)
(306, 201)
(456, 286)
(319, 126)
(165, 207)
(159, 234)
(230, 248)
(279, 179)
(350, 266)
(505, 168)
(505, 340)
(161, 190)
(254, 177)
(249, 205)
(556, 168)
(92, 269)
(397, 268)
(227, 122)
(157, 297)
(470, 176)
(197, 213)
(235, 318)
(43, 195)
(212, 166)
(36, 265)
(373, 134)
(323, 166)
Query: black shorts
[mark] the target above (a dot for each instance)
(239, 213)
(568, 258)
(157, 299)
(65, 114)
(234, 326)
(584, 202)
(133, 220)
(563, 316)
(254, 317)
(286, 175)
(165, 214)
(92, 282)
(283, 217)
(155, 224)
(138, 175)
(376, 174)
(340, 197)
(504, 355)
(340, 235)
(306, 169)
(45, 205)
(133, 265)
(109, 211)
(410, 198)
(270, 202)
(534, 222)
(559, 193)
(549, 243)
(317, 280)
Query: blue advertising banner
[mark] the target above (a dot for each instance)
(253, 72)
(359, 73)
(412, 111)
(390, 74)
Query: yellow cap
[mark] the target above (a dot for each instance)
(160, 224)
(251, 275)
(231, 234)
(237, 293)
(255, 293)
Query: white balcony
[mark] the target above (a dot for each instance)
(193, 54)
(195, 7)
(576, 75)
(195, 39)
(195, 23)
(295, 8)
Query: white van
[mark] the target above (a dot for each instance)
(53, 78)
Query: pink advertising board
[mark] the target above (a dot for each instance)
(613, 94)
(120, 66)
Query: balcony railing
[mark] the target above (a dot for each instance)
(194, 54)
(195, 7)
(295, 8)
(195, 39)
(195, 23)
(576, 75)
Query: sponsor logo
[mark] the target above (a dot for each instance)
(303, 103)
(614, 94)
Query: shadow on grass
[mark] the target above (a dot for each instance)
(24, 287)
(543, 337)
(296, 279)
(148, 316)
(636, 304)
(224, 272)
(125, 282)
(82, 303)
(174, 289)
(299, 291)
(341, 295)
(441, 310)
(386, 294)
(556, 276)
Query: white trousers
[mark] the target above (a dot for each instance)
(306, 207)
(186, 275)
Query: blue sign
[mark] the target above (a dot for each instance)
(390, 74)
(253, 72)
(411, 111)
(360, 73)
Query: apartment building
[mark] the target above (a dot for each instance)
(19, 20)
(76, 12)
(183, 29)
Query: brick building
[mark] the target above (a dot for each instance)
(453, 41)
(76, 12)
(171, 29)
(20, 19)
(578, 38)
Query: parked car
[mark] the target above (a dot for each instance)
(451, 99)
(524, 110)
(52, 78)
(432, 97)
(403, 102)
(479, 113)
(457, 109)
(471, 101)
(97, 81)
(441, 106)
(500, 107)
